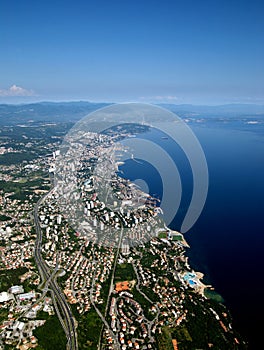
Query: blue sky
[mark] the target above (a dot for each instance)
(155, 51)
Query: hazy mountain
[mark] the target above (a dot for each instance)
(221, 110)
(46, 111)
(11, 114)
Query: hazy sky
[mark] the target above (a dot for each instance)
(154, 51)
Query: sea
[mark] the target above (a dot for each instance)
(226, 242)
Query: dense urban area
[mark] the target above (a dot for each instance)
(67, 288)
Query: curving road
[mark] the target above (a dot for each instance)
(61, 306)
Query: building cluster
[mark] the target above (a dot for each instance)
(136, 326)
(21, 334)
(84, 264)
(89, 190)
(17, 237)
(131, 325)
(18, 193)
(128, 323)
(20, 305)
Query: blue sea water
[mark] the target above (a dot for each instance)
(227, 240)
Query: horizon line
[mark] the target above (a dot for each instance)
(132, 101)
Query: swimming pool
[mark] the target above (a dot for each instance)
(189, 276)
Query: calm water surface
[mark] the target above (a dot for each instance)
(227, 241)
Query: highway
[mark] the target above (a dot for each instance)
(61, 306)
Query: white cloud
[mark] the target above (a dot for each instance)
(15, 90)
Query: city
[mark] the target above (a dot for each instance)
(139, 295)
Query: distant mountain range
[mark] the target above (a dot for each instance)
(221, 110)
(46, 111)
(11, 114)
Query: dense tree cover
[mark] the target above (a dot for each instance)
(9, 278)
(16, 158)
(21, 190)
(51, 336)
(88, 330)
(202, 330)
